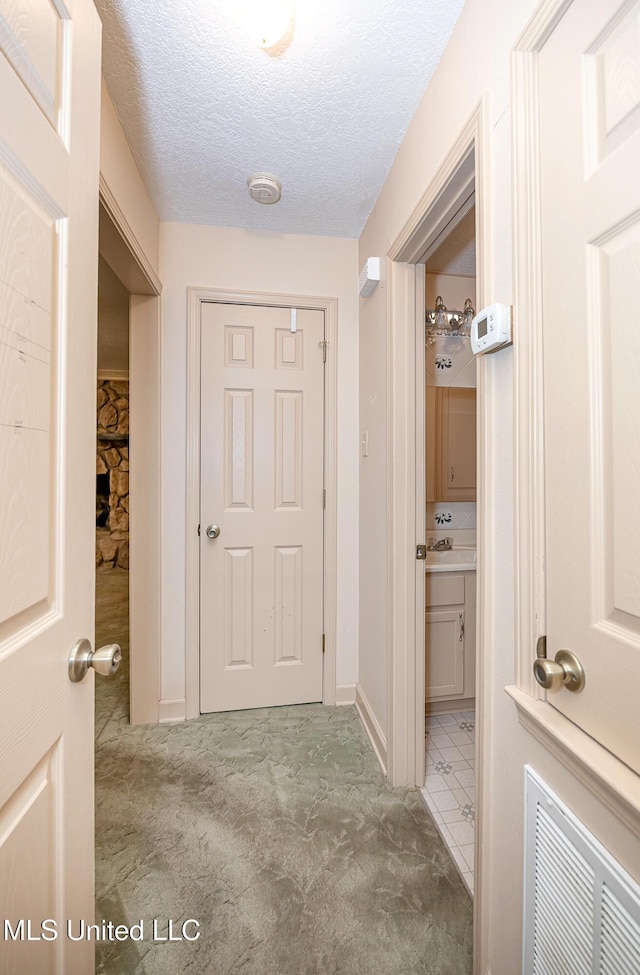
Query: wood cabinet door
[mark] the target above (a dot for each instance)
(444, 653)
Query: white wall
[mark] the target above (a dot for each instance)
(454, 289)
(462, 78)
(118, 169)
(241, 260)
(113, 321)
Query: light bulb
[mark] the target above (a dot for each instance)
(266, 21)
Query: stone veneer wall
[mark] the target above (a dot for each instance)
(112, 541)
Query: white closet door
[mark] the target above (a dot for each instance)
(262, 484)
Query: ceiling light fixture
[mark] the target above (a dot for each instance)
(264, 188)
(267, 21)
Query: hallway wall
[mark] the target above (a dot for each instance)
(462, 78)
(119, 171)
(241, 260)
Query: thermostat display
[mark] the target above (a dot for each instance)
(491, 329)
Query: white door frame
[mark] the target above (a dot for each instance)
(196, 297)
(122, 251)
(405, 465)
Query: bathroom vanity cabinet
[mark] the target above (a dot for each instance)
(450, 650)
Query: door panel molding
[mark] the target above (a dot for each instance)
(196, 297)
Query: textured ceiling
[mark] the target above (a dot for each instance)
(457, 252)
(204, 108)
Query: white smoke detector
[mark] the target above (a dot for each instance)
(264, 188)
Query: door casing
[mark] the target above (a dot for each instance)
(467, 159)
(196, 296)
(124, 254)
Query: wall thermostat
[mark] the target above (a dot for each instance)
(491, 329)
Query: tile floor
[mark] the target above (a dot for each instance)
(449, 789)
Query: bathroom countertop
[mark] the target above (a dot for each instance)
(461, 558)
(451, 567)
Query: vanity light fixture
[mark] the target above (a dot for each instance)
(439, 321)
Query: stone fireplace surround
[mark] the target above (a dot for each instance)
(112, 510)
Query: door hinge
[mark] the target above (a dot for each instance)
(323, 642)
(324, 497)
(198, 531)
(323, 345)
(541, 647)
(421, 552)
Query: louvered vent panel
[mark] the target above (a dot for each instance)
(582, 910)
(620, 950)
(563, 922)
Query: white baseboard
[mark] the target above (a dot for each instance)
(346, 693)
(371, 726)
(450, 707)
(170, 711)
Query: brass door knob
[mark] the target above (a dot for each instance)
(565, 671)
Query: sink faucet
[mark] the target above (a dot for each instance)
(442, 545)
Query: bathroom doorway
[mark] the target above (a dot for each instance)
(128, 449)
(451, 540)
(112, 486)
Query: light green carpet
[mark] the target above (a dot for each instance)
(277, 831)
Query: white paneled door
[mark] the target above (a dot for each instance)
(261, 578)
(49, 145)
(589, 72)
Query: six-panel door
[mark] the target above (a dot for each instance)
(49, 144)
(261, 592)
(589, 73)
